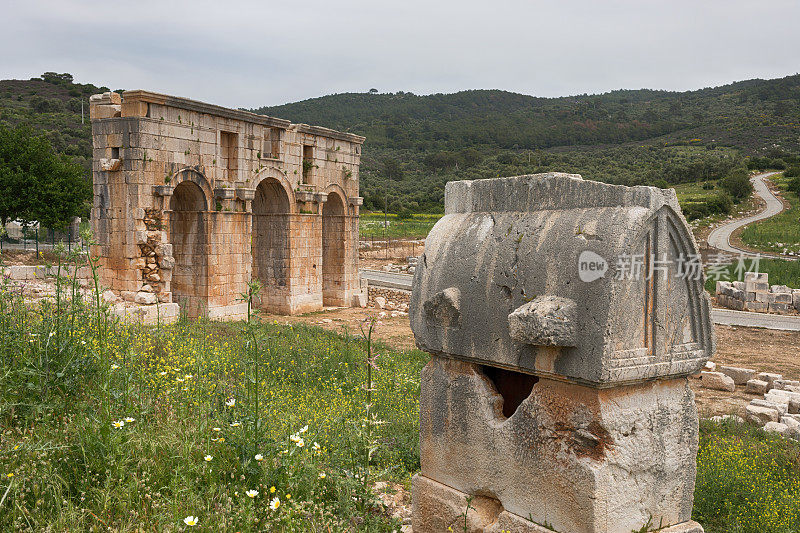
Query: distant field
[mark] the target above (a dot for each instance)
(779, 233)
(372, 225)
(781, 272)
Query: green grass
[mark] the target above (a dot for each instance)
(781, 272)
(780, 233)
(748, 481)
(371, 225)
(68, 373)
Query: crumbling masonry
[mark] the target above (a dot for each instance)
(192, 201)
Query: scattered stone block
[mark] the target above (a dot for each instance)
(769, 377)
(776, 427)
(718, 381)
(380, 302)
(145, 298)
(740, 376)
(761, 415)
(790, 422)
(784, 384)
(727, 418)
(710, 366)
(756, 386)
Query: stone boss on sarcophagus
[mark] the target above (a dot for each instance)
(563, 316)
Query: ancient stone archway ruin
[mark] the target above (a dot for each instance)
(192, 201)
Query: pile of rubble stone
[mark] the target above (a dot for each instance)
(778, 411)
(410, 266)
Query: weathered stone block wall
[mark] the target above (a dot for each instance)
(756, 294)
(153, 153)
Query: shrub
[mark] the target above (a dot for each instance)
(737, 184)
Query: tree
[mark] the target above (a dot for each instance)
(36, 183)
(737, 184)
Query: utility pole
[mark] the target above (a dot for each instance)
(385, 219)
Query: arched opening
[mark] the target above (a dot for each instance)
(333, 233)
(188, 230)
(270, 247)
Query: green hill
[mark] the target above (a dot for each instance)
(415, 144)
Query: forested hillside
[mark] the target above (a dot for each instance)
(415, 144)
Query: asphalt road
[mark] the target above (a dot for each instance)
(726, 317)
(720, 237)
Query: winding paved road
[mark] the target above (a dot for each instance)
(720, 238)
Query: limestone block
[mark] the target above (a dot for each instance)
(359, 299)
(761, 415)
(756, 286)
(128, 296)
(749, 296)
(496, 229)
(756, 276)
(776, 307)
(791, 422)
(756, 386)
(739, 285)
(544, 321)
(97, 112)
(776, 427)
(769, 377)
(145, 298)
(717, 381)
(558, 456)
(796, 298)
(438, 508)
(781, 289)
(141, 237)
(758, 307)
(740, 376)
(110, 165)
(785, 384)
(783, 297)
(167, 262)
(724, 287)
(766, 297)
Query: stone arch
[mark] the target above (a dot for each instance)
(334, 231)
(279, 177)
(270, 248)
(188, 228)
(193, 175)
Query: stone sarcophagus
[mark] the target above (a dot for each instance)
(563, 317)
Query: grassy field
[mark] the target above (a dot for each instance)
(371, 225)
(248, 427)
(255, 427)
(780, 233)
(781, 272)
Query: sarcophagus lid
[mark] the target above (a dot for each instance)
(554, 275)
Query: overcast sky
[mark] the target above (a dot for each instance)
(248, 54)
